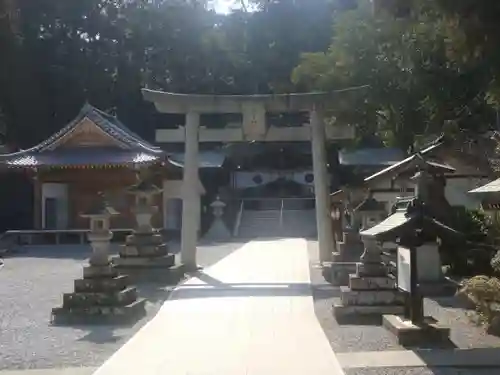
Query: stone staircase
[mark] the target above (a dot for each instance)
(274, 223)
(260, 223)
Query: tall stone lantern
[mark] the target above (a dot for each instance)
(144, 256)
(145, 192)
(218, 230)
(99, 236)
(371, 212)
(102, 295)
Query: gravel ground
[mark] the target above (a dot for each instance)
(361, 337)
(32, 283)
(368, 334)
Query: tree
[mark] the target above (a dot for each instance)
(414, 88)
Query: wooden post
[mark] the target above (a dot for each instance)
(37, 201)
(416, 303)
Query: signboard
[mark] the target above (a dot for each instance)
(404, 269)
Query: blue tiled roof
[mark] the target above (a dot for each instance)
(78, 157)
(132, 148)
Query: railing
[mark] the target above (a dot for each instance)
(236, 229)
(279, 204)
(281, 215)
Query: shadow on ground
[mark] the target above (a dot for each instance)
(101, 335)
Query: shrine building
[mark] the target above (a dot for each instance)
(95, 153)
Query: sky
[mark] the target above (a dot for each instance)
(223, 6)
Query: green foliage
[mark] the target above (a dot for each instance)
(58, 54)
(473, 255)
(416, 89)
(484, 293)
(433, 72)
(473, 223)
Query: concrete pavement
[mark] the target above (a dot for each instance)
(251, 313)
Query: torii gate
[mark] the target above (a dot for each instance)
(253, 108)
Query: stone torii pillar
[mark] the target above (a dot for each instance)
(191, 196)
(321, 185)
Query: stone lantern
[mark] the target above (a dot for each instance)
(99, 236)
(371, 212)
(218, 230)
(144, 256)
(102, 295)
(145, 192)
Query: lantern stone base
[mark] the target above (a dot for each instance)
(368, 295)
(145, 257)
(156, 274)
(409, 334)
(102, 296)
(165, 261)
(342, 311)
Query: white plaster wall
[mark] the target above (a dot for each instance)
(244, 180)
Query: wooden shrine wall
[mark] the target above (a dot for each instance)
(84, 185)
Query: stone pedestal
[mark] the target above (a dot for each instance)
(371, 290)
(102, 296)
(409, 334)
(145, 257)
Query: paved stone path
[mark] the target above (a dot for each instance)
(251, 313)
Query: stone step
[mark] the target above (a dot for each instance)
(92, 272)
(370, 297)
(167, 275)
(82, 300)
(340, 310)
(99, 314)
(371, 283)
(101, 285)
(143, 250)
(144, 262)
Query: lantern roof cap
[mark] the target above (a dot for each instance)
(99, 207)
(144, 186)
